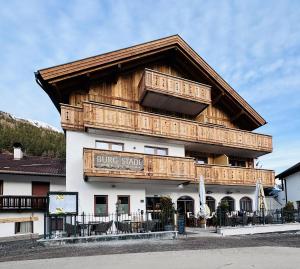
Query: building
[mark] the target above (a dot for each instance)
(146, 121)
(24, 184)
(290, 182)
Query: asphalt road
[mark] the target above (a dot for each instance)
(239, 258)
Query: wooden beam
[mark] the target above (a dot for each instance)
(234, 118)
(218, 98)
(8, 220)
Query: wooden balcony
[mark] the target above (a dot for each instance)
(165, 92)
(228, 175)
(194, 135)
(23, 203)
(100, 164)
(115, 164)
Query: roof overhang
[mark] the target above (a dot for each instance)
(50, 78)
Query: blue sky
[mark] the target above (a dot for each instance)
(253, 45)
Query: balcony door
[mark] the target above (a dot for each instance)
(39, 189)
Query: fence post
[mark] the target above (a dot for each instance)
(45, 225)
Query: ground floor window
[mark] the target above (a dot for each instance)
(152, 203)
(1, 187)
(101, 205)
(230, 201)
(246, 204)
(124, 204)
(24, 227)
(211, 203)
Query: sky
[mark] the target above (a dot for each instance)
(253, 45)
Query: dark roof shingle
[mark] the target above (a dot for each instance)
(32, 165)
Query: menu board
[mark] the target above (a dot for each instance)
(63, 203)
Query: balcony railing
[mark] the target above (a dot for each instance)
(105, 163)
(229, 175)
(118, 164)
(100, 116)
(166, 92)
(23, 203)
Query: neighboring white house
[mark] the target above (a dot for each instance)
(290, 180)
(24, 184)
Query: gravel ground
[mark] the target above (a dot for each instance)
(31, 249)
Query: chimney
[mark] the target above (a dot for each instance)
(18, 152)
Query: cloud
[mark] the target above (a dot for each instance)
(254, 45)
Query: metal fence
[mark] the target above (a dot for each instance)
(56, 226)
(279, 216)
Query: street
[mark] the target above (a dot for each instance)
(255, 257)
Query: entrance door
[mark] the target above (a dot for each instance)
(185, 207)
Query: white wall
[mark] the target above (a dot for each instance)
(137, 190)
(8, 229)
(192, 190)
(293, 188)
(22, 185)
(76, 141)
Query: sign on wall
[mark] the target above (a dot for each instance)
(63, 203)
(119, 162)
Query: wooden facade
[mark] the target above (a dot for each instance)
(175, 168)
(106, 117)
(175, 94)
(162, 90)
(224, 175)
(155, 167)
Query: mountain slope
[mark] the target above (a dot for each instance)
(37, 138)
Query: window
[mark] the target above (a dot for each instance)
(156, 150)
(229, 201)
(201, 160)
(24, 227)
(152, 203)
(124, 204)
(236, 162)
(211, 203)
(109, 145)
(246, 204)
(1, 187)
(101, 205)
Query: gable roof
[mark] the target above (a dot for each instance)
(52, 75)
(290, 171)
(32, 165)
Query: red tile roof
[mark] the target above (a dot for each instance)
(34, 165)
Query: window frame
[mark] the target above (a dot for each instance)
(128, 196)
(106, 208)
(1, 187)
(156, 149)
(110, 144)
(243, 201)
(18, 227)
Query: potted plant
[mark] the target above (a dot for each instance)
(167, 213)
(288, 212)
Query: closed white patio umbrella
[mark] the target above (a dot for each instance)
(202, 198)
(260, 200)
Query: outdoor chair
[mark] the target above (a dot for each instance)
(255, 219)
(268, 219)
(102, 227)
(228, 220)
(72, 229)
(123, 227)
(148, 226)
